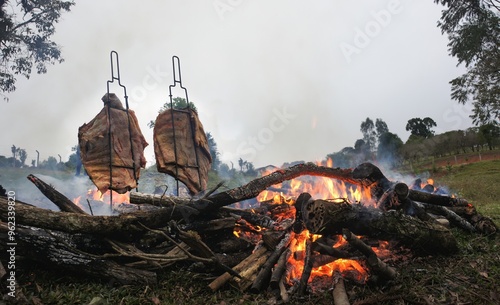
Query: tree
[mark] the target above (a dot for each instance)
(490, 133)
(473, 29)
(242, 163)
(381, 128)
(421, 127)
(14, 151)
(26, 27)
(389, 148)
(369, 133)
(22, 156)
(214, 153)
(177, 103)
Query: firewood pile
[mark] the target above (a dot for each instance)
(284, 244)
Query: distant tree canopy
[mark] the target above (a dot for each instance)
(177, 103)
(421, 127)
(26, 27)
(473, 29)
(214, 152)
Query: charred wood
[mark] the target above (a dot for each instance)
(253, 218)
(61, 201)
(328, 250)
(56, 248)
(378, 267)
(436, 199)
(326, 217)
(453, 217)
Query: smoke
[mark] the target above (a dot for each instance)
(260, 56)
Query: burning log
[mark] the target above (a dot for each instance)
(61, 201)
(306, 273)
(327, 217)
(330, 251)
(256, 186)
(380, 269)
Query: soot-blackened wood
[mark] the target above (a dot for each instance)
(254, 187)
(55, 248)
(372, 175)
(380, 270)
(436, 199)
(326, 217)
(453, 217)
(61, 201)
(121, 227)
(482, 224)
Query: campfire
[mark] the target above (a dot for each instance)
(292, 231)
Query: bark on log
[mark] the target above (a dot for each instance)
(225, 277)
(339, 293)
(265, 272)
(482, 224)
(326, 217)
(453, 217)
(381, 270)
(436, 199)
(157, 200)
(51, 248)
(121, 227)
(254, 187)
(279, 270)
(61, 201)
(249, 274)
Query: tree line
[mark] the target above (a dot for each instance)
(381, 145)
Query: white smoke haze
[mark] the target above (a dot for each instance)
(241, 61)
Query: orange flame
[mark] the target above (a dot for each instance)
(96, 195)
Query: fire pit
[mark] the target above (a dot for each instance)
(318, 225)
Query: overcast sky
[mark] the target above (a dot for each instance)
(273, 81)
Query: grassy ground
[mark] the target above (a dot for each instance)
(470, 277)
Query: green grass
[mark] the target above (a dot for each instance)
(478, 182)
(469, 277)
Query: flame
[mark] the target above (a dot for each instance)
(96, 195)
(344, 266)
(318, 187)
